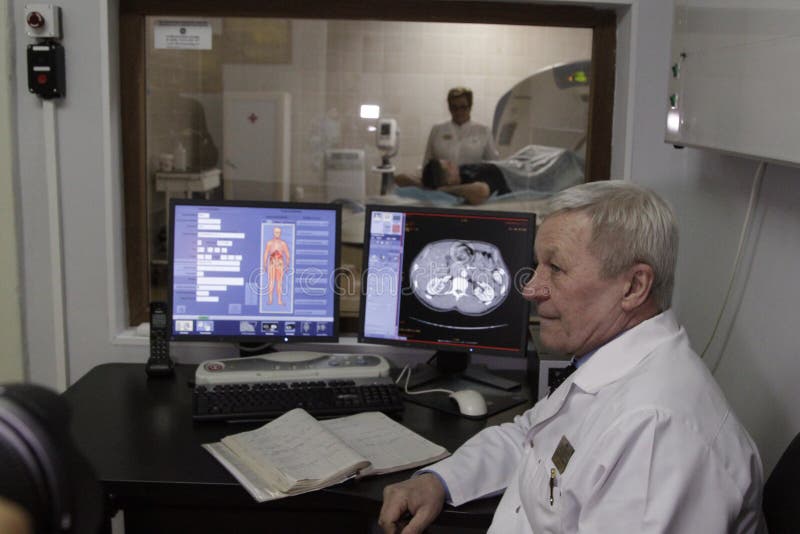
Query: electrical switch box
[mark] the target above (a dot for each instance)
(46, 76)
(43, 21)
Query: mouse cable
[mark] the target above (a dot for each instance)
(407, 372)
(754, 193)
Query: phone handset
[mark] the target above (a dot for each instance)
(159, 363)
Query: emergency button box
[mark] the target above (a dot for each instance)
(46, 76)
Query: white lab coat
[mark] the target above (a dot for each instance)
(468, 143)
(656, 449)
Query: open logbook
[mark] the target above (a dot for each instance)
(296, 454)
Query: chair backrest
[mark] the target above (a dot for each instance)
(40, 469)
(782, 492)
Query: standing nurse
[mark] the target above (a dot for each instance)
(460, 140)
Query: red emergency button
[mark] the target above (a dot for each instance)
(35, 20)
(41, 79)
(214, 367)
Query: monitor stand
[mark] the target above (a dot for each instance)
(452, 370)
(450, 363)
(255, 349)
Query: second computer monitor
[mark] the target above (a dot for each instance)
(449, 280)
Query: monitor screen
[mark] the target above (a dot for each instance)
(447, 279)
(254, 271)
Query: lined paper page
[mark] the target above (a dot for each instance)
(387, 444)
(296, 445)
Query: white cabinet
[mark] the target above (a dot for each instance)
(734, 81)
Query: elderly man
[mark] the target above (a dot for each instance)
(639, 438)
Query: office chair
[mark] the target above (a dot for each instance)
(40, 469)
(782, 492)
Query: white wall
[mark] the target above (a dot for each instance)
(759, 335)
(11, 356)
(88, 148)
(709, 192)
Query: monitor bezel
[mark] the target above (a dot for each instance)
(264, 204)
(521, 349)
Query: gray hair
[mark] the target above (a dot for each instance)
(630, 224)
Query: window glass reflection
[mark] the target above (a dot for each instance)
(272, 109)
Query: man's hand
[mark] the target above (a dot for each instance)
(423, 497)
(14, 519)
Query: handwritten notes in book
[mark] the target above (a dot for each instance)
(297, 446)
(295, 453)
(388, 445)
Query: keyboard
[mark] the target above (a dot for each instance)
(321, 398)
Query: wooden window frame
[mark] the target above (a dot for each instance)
(132, 82)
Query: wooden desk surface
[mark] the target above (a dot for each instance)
(139, 436)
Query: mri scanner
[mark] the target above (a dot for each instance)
(549, 108)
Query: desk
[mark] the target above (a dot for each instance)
(187, 182)
(139, 436)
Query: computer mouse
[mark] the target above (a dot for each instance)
(470, 402)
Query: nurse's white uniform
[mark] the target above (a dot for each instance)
(468, 143)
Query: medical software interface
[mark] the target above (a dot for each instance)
(242, 271)
(448, 280)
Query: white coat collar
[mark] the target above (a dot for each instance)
(612, 361)
(619, 356)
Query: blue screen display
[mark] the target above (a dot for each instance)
(254, 270)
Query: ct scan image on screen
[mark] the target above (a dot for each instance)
(469, 277)
(450, 280)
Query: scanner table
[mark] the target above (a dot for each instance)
(139, 436)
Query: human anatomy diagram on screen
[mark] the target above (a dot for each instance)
(278, 255)
(465, 276)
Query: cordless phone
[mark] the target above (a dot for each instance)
(159, 363)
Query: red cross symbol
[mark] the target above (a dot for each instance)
(252, 118)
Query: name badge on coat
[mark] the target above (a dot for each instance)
(563, 453)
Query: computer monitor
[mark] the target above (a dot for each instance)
(258, 273)
(448, 280)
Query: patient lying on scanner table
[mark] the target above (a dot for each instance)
(534, 170)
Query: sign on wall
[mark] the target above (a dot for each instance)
(182, 35)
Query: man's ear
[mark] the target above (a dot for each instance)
(638, 284)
